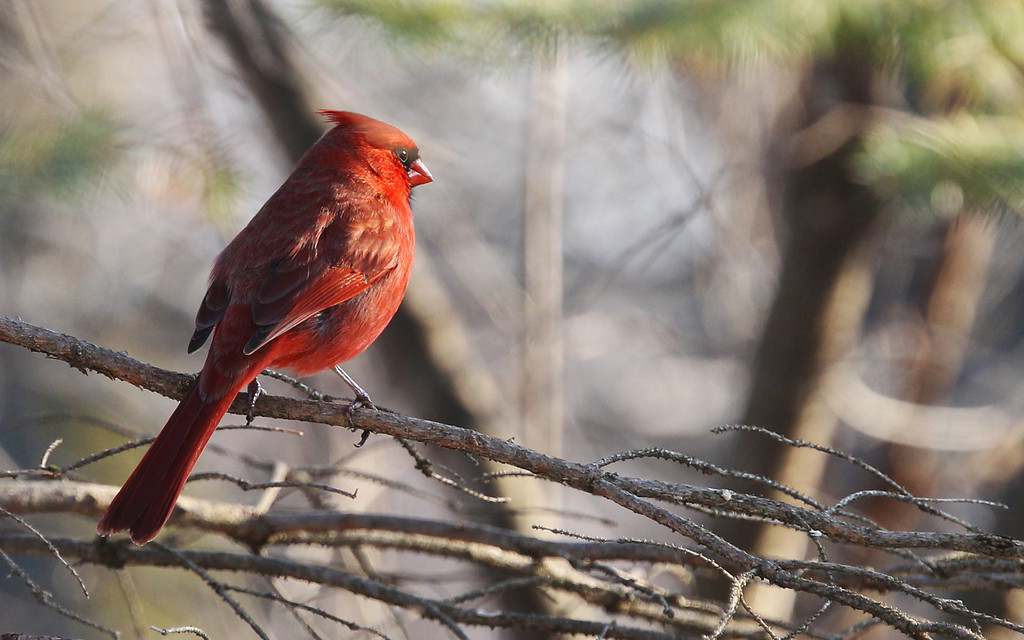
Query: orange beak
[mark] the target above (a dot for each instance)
(418, 174)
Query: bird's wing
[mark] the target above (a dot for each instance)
(317, 269)
(290, 294)
(295, 293)
(341, 262)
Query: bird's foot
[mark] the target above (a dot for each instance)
(255, 390)
(362, 401)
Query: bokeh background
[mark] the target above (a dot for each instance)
(648, 219)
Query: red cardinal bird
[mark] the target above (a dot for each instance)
(310, 282)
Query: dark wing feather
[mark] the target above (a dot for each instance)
(212, 309)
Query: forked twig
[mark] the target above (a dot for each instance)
(218, 587)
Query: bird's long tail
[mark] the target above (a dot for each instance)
(146, 500)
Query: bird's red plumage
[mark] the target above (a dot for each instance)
(310, 282)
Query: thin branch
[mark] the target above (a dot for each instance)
(196, 631)
(120, 555)
(579, 566)
(53, 550)
(44, 597)
(217, 586)
(427, 468)
(292, 604)
(245, 485)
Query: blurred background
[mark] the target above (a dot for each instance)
(648, 219)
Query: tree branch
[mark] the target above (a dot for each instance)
(576, 567)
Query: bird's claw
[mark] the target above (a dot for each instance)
(363, 438)
(255, 390)
(362, 401)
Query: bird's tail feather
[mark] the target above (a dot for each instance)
(146, 500)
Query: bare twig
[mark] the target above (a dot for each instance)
(277, 597)
(196, 631)
(44, 597)
(217, 586)
(53, 550)
(580, 567)
(427, 468)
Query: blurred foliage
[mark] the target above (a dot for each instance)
(964, 55)
(221, 191)
(56, 157)
(977, 44)
(480, 29)
(956, 66)
(944, 165)
(59, 158)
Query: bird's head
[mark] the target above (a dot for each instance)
(386, 149)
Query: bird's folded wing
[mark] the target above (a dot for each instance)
(297, 292)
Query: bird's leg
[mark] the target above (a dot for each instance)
(362, 400)
(255, 390)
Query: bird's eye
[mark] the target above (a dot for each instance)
(403, 155)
